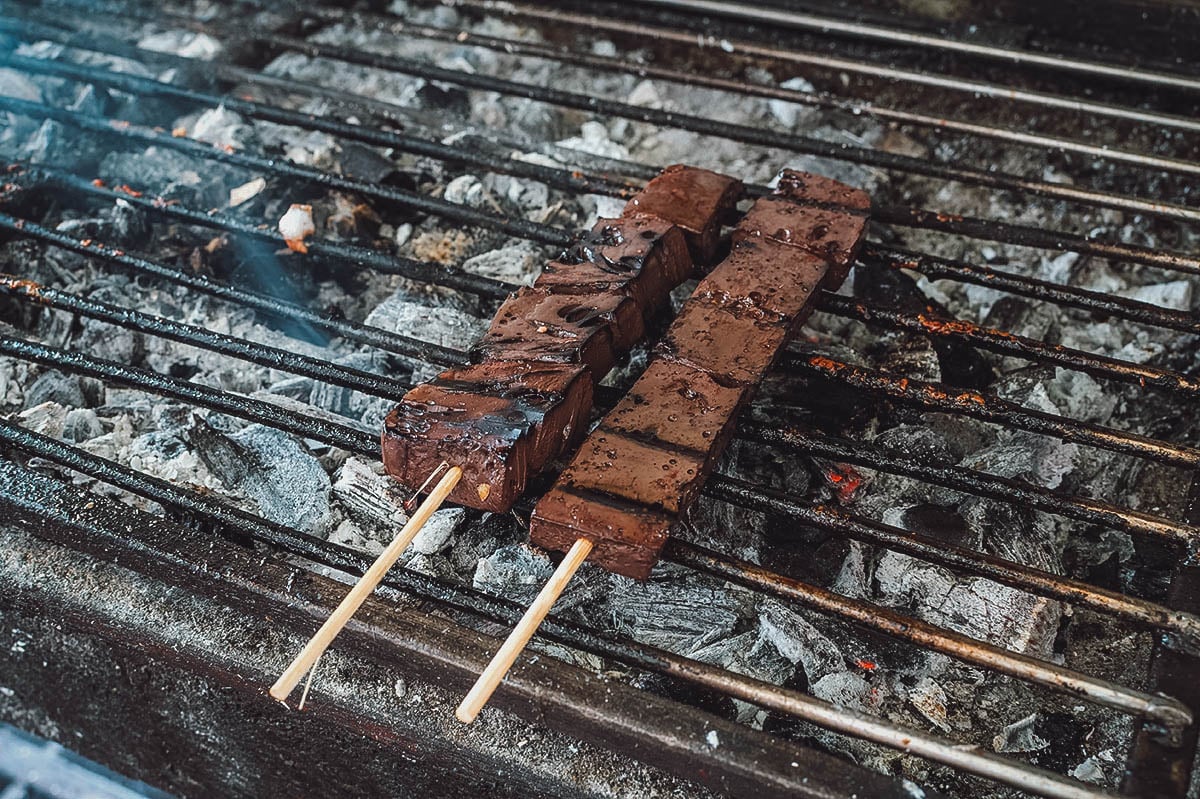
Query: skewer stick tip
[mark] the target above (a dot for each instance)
(366, 585)
(517, 640)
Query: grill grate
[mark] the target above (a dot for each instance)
(1167, 733)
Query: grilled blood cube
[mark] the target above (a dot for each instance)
(696, 200)
(528, 396)
(536, 325)
(499, 422)
(642, 468)
(812, 213)
(642, 257)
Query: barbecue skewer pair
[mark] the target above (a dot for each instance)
(527, 399)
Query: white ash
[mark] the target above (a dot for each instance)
(1020, 737)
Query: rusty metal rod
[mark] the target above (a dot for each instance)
(971, 481)
(125, 131)
(921, 633)
(271, 357)
(745, 87)
(352, 439)
(946, 399)
(240, 524)
(364, 334)
(1035, 581)
(1002, 342)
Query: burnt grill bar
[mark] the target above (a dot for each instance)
(1162, 749)
(915, 217)
(240, 523)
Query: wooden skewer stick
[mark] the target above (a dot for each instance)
(364, 587)
(502, 661)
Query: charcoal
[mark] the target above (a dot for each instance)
(1020, 737)
(796, 639)
(515, 572)
(675, 615)
(791, 114)
(848, 689)
(437, 532)
(47, 418)
(56, 387)
(1096, 769)
(81, 424)
(286, 483)
(518, 264)
(370, 496)
(928, 697)
(973, 606)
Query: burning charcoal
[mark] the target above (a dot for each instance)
(799, 641)
(348, 534)
(438, 324)
(1019, 737)
(81, 424)
(267, 465)
(750, 654)
(789, 114)
(297, 225)
(675, 615)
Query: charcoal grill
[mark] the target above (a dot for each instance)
(172, 690)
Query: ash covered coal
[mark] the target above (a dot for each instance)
(325, 491)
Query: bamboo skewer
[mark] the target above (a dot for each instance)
(502, 661)
(364, 587)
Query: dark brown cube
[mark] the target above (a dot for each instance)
(680, 406)
(554, 399)
(734, 345)
(641, 256)
(815, 214)
(589, 329)
(628, 538)
(765, 274)
(696, 200)
(485, 436)
(646, 473)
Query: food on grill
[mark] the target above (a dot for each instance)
(641, 469)
(297, 225)
(696, 200)
(528, 394)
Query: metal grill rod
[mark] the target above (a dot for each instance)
(123, 130)
(476, 603)
(1035, 581)
(1002, 342)
(195, 336)
(365, 444)
(969, 481)
(991, 230)
(990, 408)
(352, 439)
(928, 395)
(978, 483)
(746, 88)
(1070, 296)
(923, 219)
(364, 334)
(935, 268)
(974, 482)
(735, 132)
(898, 36)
